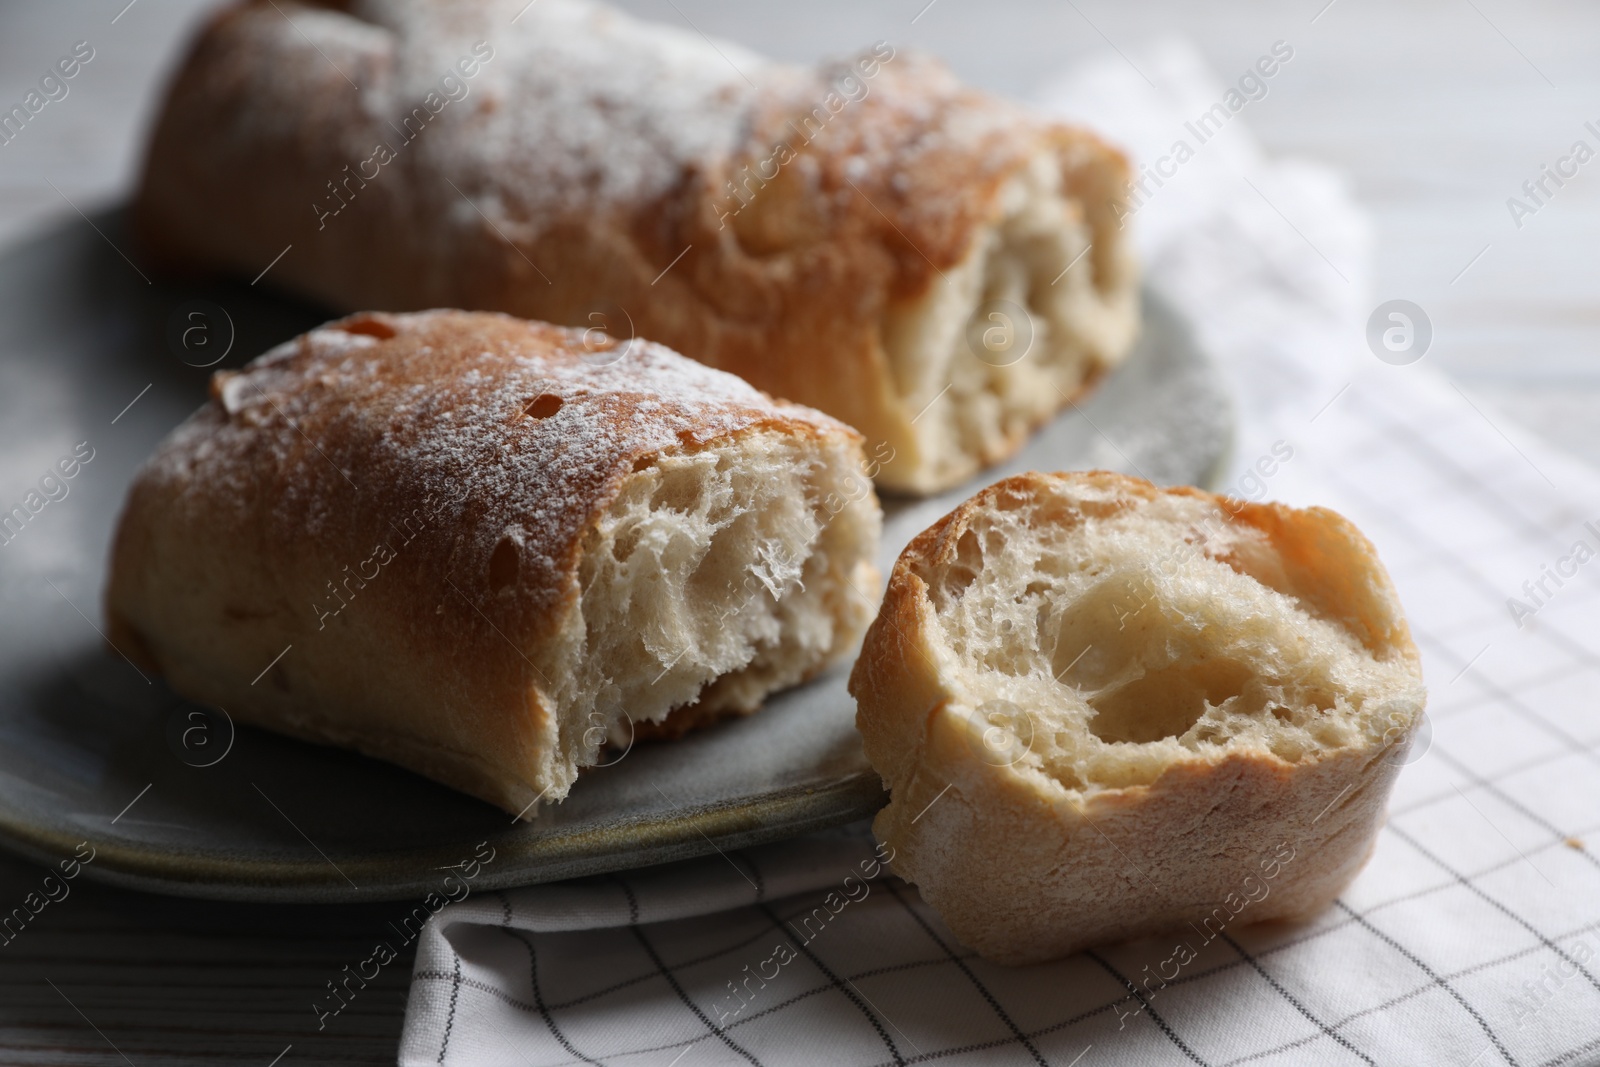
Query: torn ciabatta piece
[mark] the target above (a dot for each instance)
(478, 547)
(1106, 710)
(939, 268)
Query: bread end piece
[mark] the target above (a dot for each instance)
(484, 548)
(1106, 710)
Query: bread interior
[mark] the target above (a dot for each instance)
(1102, 640)
(1004, 338)
(717, 575)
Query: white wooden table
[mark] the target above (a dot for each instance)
(1438, 112)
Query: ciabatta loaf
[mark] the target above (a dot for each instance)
(1106, 710)
(482, 548)
(934, 266)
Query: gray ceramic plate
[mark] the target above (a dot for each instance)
(91, 751)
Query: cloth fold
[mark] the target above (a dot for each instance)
(1469, 937)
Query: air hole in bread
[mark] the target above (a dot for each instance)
(964, 570)
(679, 488)
(542, 406)
(1126, 635)
(1168, 702)
(712, 579)
(503, 564)
(369, 326)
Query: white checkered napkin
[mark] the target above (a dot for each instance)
(693, 948)
(1471, 938)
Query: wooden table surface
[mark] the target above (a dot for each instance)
(1437, 112)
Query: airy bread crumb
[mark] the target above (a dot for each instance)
(714, 578)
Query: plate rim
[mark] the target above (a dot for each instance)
(731, 824)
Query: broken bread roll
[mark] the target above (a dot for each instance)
(1106, 710)
(482, 548)
(939, 268)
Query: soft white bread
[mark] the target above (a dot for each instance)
(844, 236)
(490, 546)
(1106, 710)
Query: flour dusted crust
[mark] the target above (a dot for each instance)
(1106, 710)
(604, 171)
(489, 546)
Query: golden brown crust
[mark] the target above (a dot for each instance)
(790, 288)
(1025, 870)
(400, 501)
